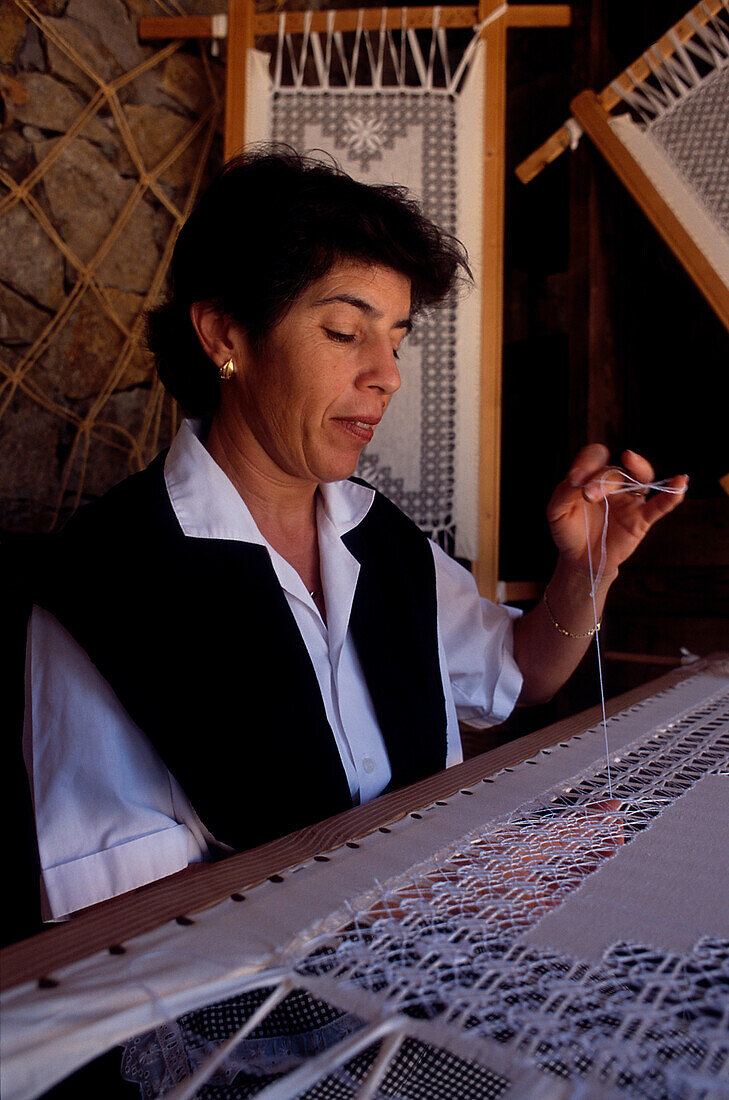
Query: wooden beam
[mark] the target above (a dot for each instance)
(664, 48)
(643, 658)
(267, 23)
(180, 26)
(241, 38)
(539, 15)
(517, 15)
(486, 567)
(594, 120)
(548, 151)
(371, 19)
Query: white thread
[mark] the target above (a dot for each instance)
(470, 50)
(628, 484)
(596, 635)
(674, 78)
(574, 132)
(354, 73)
(498, 13)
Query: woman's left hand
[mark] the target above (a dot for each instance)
(589, 482)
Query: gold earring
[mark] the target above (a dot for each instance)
(226, 370)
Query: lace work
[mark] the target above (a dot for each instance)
(683, 107)
(420, 129)
(437, 956)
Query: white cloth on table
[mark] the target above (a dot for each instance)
(109, 815)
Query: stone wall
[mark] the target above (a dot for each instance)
(79, 404)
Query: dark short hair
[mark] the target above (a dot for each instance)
(271, 224)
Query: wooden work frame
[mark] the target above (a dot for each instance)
(611, 96)
(244, 25)
(595, 121)
(593, 112)
(105, 927)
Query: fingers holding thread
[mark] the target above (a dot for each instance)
(591, 472)
(669, 496)
(639, 467)
(619, 505)
(588, 463)
(608, 480)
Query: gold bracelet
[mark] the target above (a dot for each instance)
(568, 633)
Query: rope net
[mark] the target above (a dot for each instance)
(116, 420)
(437, 984)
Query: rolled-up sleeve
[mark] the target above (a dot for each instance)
(477, 643)
(109, 816)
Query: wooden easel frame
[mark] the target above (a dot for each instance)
(594, 120)
(593, 112)
(244, 25)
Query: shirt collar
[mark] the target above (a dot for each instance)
(208, 506)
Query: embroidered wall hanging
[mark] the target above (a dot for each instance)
(389, 107)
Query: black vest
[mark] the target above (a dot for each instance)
(197, 640)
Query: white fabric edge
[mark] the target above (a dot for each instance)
(102, 875)
(469, 349)
(258, 97)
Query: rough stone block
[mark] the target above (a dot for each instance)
(111, 24)
(50, 7)
(20, 321)
(28, 486)
(106, 464)
(12, 31)
(32, 134)
(157, 131)
(184, 79)
(52, 105)
(84, 193)
(29, 262)
(31, 56)
(134, 256)
(16, 157)
(98, 59)
(83, 356)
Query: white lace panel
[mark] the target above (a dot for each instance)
(435, 986)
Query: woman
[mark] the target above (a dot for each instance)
(240, 640)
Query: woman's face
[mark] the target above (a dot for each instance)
(307, 403)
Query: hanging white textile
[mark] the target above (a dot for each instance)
(389, 107)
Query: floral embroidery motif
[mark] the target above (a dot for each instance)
(364, 136)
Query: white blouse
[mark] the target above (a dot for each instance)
(109, 815)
